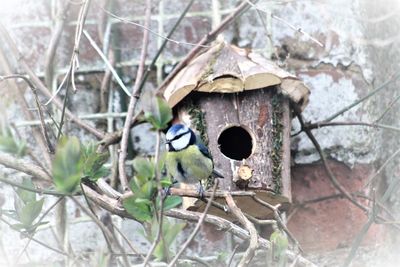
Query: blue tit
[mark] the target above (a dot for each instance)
(188, 159)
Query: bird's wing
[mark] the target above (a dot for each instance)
(204, 150)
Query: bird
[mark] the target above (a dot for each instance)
(188, 160)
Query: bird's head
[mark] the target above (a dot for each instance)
(179, 137)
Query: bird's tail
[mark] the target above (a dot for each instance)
(218, 174)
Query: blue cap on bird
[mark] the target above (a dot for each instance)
(178, 137)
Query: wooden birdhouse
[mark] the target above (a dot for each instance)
(239, 103)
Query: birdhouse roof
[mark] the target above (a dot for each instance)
(225, 68)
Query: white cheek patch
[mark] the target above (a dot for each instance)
(182, 142)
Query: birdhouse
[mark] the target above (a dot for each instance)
(239, 104)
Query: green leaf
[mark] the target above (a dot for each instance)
(68, 165)
(144, 169)
(143, 200)
(139, 210)
(93, 162)
(25, 195)
(10, 144)
(147, 190)
(172, 202)
(30, 212)
(166, 182)
(159, 113)
(172, 231)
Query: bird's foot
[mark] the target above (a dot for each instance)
(201, 191)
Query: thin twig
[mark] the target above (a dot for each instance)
(392, 79)
(54, 41)
(36, 190)
(159, 234)
(146, 28)
(134, 250)
(254, 242)
(184, 192)
(50, 147)
(196, 229)
(20, 98)
(328, 170)
(107, 62)
(39, 84)
(362, 233)
(34, 239)
(297, 29)
(108, 236)
(23, 166)
(114, 206)
(321, 124)
(232, 255)
(161, 48)
(388, 108)
(38, 222)
(133, 102)
(207, 38)
(389, 159)
(279, 220)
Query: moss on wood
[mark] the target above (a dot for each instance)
(277, 139)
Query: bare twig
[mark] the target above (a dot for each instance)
(5, 65)
(107, 62)
(254, 242)
(389, 159)
(108, 236)
(38, 222)
(54, 41)
(194, 193)
(196, 229)
(50, 147)
(321, 124)
(114, 206)
(279, 220)
(361, 235)
(232, 255)
(161, 48)
(297, 29)
(207, 38)
(23, 166)
(146, 28)
(328, 170)
(34, 239)
(392, 79)
(36, 190)
(388, 108)
(133, 102)
(134, 250)
(39, 84)
(159, 235)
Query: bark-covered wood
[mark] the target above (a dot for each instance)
(253, 111)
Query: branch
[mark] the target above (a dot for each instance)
(114, 206)
(133, 102)
(50, 147)
(39, 84)
(254, 243)
(196, 229)
(23, 166)
(54, 42)
(392, 79)
(36, 190)
(297, 29)
(207, 38)
(146, 28)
